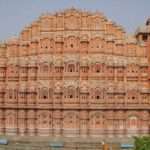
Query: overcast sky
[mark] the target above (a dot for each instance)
(15, 14)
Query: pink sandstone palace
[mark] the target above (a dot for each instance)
(75, 73)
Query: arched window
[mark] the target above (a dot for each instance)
(10, 93)
(45, 43)
(98, 94)
(97, 24)
(133, 122)
(96, 121)
(31, 93)
(43, 118)
(10, 119)
(72, 42)
(23, 94)
(70, 120)
(71, 92)
(98, 68)
(71, 68)
(44, 93)
(132, 68)
(132, 97)
(2, 70)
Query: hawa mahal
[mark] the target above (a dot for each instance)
(75, 73)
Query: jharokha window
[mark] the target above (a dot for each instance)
(71, 68)
(10, 94)
(44, 93)
(133, 122)
(98, 94)
(44, 68)
(71, 93)
(98, 68)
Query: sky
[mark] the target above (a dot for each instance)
(16, 14)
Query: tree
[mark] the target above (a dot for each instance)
(142, 143)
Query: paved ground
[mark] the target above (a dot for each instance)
(59, 143)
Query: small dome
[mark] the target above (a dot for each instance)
(148, 22)
(144, 28)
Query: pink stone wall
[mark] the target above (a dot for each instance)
(74, 74)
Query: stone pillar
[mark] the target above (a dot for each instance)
(22, 122)
(2, 123)
(31, 128)
(57, 123)
(83, 123)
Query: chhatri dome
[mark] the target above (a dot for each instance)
(144, 28)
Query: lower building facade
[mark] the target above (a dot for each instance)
(76, 74)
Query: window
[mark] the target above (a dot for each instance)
(98, 68)
(97, 97)
(10, 94)
(71, 93)
(44, 93)
(133, 122)
(97, 94)
(71, 68)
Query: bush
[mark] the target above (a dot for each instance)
(142, 143)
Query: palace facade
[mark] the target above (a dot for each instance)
(75, 73)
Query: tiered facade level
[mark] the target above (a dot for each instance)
(74, 73)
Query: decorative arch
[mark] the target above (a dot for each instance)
(132, 68)
(12, 70)
(43, 119)
(12, 93)
(72, 42)
(31, 93)
(11, 120)
(98, 93)
(97, 22)
(98, 67)
(96, 120)
(96, 43)
(71, 92)
(71, 67)
(132, 96)
(133, 122)
(44, 44)
(70, 120)
(44, 93)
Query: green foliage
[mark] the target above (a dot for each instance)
(142, 143)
